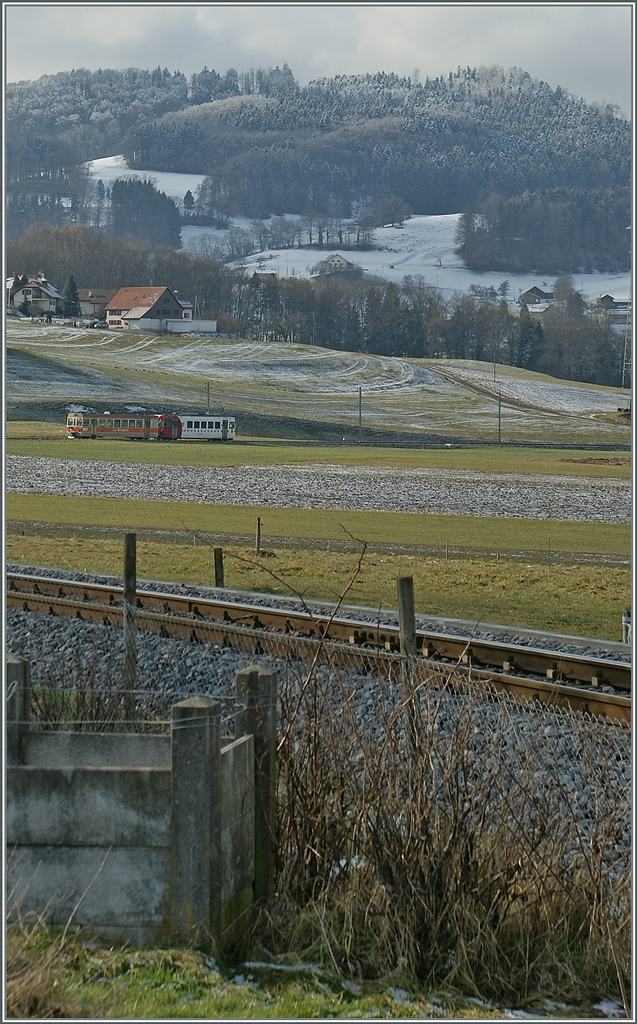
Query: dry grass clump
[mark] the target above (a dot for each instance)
(35, 984)
(494, 858)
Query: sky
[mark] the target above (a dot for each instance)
(584, 48)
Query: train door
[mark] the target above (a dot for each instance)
(93, 428)
(224, 430)
(146, 429)
(175, 427)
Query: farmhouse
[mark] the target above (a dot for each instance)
(337, 266)
(535, 295)
(41, 296)
(155, 306)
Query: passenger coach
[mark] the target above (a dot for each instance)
(152, 426)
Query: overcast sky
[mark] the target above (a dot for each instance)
(585, 48)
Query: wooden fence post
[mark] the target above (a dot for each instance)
(257, 693)
(257, 544)
(218, 553)
(407, 631)
(18, 707)
(195, 882)
(130, 624)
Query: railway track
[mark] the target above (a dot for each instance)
(599, 686)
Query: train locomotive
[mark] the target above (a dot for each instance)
(137, 426)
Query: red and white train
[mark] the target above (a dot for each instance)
(131, 426)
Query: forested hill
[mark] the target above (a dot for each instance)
(334, 147)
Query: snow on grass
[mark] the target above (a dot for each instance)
(424, 246)
(543, 393)
(175, 185)
(276, 374)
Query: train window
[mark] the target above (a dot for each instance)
(109, 423)
(217, 425)
(140, 423)
(231, 424)
(100, 423)
(189, 424)
(116, 423)
(196, 424)
(153, 423)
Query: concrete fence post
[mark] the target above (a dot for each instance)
(257, 693)
(195, 876)
(129, 681)
(18, 693)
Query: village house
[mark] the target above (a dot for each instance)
(338, 263)
(152, 305)
(535, 295)
(35, 290)
(154, 309)
(93, 301)
(337, 266)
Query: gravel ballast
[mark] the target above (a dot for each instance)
(68, 652)
(355, 488)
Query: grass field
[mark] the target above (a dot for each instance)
(49, 440)
(284, 380)
(396, 528)
(575, 598)
(77, 977)
(580, 599)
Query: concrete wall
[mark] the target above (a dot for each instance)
(140, 837)
(93, 842)
(191, 326)
(172, 326)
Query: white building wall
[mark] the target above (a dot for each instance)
(191, 326)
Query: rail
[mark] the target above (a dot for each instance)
(546, 675)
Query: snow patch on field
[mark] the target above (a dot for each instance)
(544, 394)
(423, 246)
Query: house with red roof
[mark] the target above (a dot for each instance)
(143, 308)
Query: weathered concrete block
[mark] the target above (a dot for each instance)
(88, 806)
(18, 699)
(97, 750)
(119, 892)
(237, 780)
(237, 835)
(196, 819)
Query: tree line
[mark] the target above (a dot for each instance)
(131, 207)
(474, 140)
(411, 320)
(552, 231)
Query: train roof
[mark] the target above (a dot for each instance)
(112, 410)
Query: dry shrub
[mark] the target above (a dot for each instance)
(495, 857)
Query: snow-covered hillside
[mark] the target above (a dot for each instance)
(424, 246)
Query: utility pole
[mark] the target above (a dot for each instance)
(627, 361)
(360, 414)
(208, 396)
(499, 417)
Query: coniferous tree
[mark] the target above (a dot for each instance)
(71, 298)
